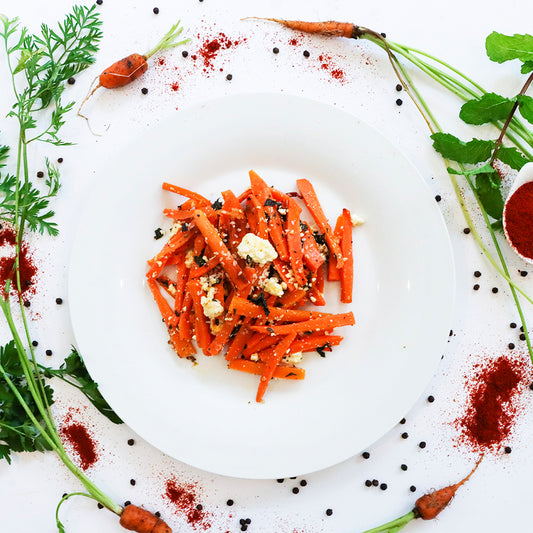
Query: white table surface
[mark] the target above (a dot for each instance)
(498, 497)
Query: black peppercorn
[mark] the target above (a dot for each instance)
(275, 50)
(155, 10)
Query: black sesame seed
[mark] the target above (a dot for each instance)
(466, 231)
(422, 444)
(438, 198)
(40, 174)
(329, 512)
(155, 10)
(144, 90)
(132, 482)
(375, 482)
(27, 303)
(512, 325)
(431, 398)
(34, 343)
(275, 50)
(100, 506)
(295, 490)
(399, 87)
(294, 477)
(412, 488)
(383, 486)
(403, 467)
(511, 346)
(303, 483)
(399, 101)
(59, 301)
(281, 480)
(405, 435)
(230, 502)
(365, 455)
(306, 53)
(48, 352)
(60, 160)
(229, 77)
(368, 483)
(507, 449)
(403, 421)
(477, 274)
(476, 287)
(131, 442)
(522, 336)
(494, 290)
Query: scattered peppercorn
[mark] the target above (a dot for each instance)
(144, 90)
(438, 198)
(306, 53)
(522, 337)
(275, 50)
(230, 502)
(295, 490)
(412, 488)
(466, 231)
(303, 483)
(126, 503)
(405, 435)
(523, 273)
(99, 2)
(40, 174)
(451, 332)
(329, 512)
(403, 421)
(403, 467)
(185, 53)
(368, 483)
(399, 101)
(431, 398)
(494, 290)
(132, 482)
(48, 352)
(422, 444)
(531, 386)
(229, 77)
(60, 160)
(34, 343)
(511, 346)
(199, 507)
(375, 482)
(27, 303)
(384, 35)
(155, 10)
(157, 514)
(383, 486)
(100, 506)
(281, 480)
(59, 301)
(365, 455)
(131, 442)
(71, 81)
(477, 274)
(476, 287)
(507, 449)
(512, 325)
(399, 87)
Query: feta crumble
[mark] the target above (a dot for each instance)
(273, 286)
(259, 250)
(293, 358)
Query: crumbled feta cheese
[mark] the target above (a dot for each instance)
(259, 250)
(172, 289)
(175, 228)
(282, 211)
(356, 221)
(212, 308)
(254, 357)
(273, 286)
(189, 259)
(293, 358)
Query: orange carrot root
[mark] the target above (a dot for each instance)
(140, 520)
(123, 71)
(431, 504)
(330, 28)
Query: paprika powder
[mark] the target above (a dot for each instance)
(518, 220)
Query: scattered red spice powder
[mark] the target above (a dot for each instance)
(184, 497)
(327, 64)
(493, 403)
(80, 440)
(174, 86)
(27, 267)
(212, 46)
(518, 219)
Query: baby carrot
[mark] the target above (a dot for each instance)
(329, 28)
(140, 520)
(129, 68)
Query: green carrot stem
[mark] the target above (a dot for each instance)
(168, 40)
(395, 525)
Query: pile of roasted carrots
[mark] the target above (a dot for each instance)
(234, 275)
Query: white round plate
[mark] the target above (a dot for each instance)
(206, 415)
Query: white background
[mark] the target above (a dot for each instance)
(499, 496)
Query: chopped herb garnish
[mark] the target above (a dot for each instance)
(269, 202)
(199, 260)
(158, 233)
(217, 205)
(261, 300)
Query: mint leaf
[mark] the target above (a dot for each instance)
(488, 190)
(502, 47)
(526, 107)
(527, 67)
(485, 169)
(511, 156)
(488, 108)
(450, 147)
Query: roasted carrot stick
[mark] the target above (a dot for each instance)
(258, 368)
(347, 253)
(294, 241)
(314, 324)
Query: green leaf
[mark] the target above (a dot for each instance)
(502, 47)
(511, 156)
(75, 368)
(486, 168)
(488, 108)
(488, 190)
(526, 107)
(527, 67)
(450, 147)
(4, 152)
